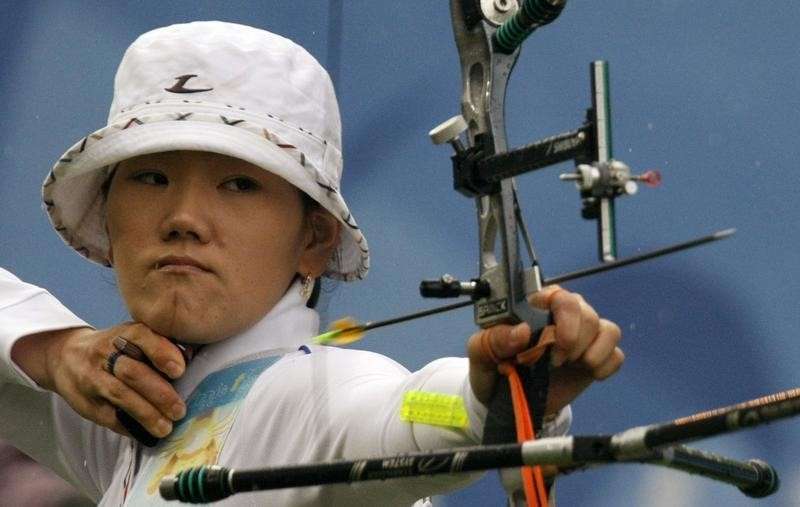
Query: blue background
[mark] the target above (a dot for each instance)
(704, 91)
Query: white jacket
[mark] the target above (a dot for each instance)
(254, 400)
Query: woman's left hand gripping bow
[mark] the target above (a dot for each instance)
(584, 348)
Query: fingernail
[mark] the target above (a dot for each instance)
(174, 369)
(178, 411)
(164, 427)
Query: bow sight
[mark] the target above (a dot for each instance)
(484, 169)
(598, 176)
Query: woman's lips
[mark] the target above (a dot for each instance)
(180, 268)
(181, 264)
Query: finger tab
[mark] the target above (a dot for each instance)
(135, 429)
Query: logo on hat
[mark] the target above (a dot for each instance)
(178, 87)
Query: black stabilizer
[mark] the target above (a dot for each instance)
(168, 488)
(768, 481)
(592, 449)
(197, 485)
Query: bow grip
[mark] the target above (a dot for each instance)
(500, 426)
(536, 376)
(536, 318)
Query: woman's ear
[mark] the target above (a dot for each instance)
(321, 240)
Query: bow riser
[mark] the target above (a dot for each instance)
(485, 74)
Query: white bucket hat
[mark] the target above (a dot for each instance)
(216, 87)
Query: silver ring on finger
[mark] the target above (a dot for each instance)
(111, 361)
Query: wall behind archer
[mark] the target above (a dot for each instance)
(705, 92)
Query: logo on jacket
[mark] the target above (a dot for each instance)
(180, 83)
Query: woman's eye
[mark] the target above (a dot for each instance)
(241, 184)
(151, 178)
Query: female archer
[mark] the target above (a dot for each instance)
(213, 193)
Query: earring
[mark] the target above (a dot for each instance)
(307, 288)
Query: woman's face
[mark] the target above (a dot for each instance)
(204, 245)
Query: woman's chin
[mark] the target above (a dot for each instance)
(200, 317)
(184, 326)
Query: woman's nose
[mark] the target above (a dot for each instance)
(187, 215)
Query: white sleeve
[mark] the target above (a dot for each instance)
(26, 309)
(450, 376)
(381, 391)
(364, 399)
(36, 421)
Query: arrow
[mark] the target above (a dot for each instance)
(348, 330)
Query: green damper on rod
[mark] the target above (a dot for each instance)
(531, 15)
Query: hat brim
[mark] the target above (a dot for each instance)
(73, 197)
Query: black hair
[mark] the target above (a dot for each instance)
(315, 292)
(310, 204)
(106, 186)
